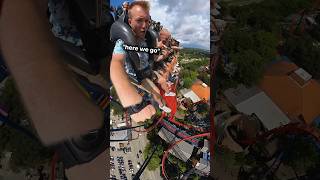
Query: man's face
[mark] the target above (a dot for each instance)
(139, 21)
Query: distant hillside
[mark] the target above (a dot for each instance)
(195, 53)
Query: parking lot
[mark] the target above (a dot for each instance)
(127, 156)
(123, 166)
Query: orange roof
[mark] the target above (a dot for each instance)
(292, 97)
(280, 68)
(201, 91)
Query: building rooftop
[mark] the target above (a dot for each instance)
(201, 90)
(119, 135)
(205, 147)
(240, 94)
(293, 90)
(183, 150)
(187, 93)
(254, 101)
(203, 166)
(265, 109)
(178, 132)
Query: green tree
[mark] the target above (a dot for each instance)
(153, 136)
(117, 108)
(195, 177)
(155, 160)
(176, 165)
(193, 75)
(300, 152)
(26, 153)
(113, 93)
(154, 163)
(187, 53)
(172, 159)
(205, 77)
(237, 39)
(241, 13)
(182, 166)
(249, 67)
(287, 7)
(265, 44)
(262, 42)
(187, 82)
(203, 108)
(305, 52)
(263, 19)
(267, 11)
(10, 98)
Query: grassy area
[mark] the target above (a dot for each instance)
(191, 60)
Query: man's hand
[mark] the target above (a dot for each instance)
(165, 52)
(144, 114)
(160, 77)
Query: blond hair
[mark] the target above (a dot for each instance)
(165, 31)
(143, 4)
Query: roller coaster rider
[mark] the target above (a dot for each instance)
(130, 67)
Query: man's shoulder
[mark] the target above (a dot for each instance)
(120, 41)
(118, 48)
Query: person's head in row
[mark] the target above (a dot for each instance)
(164, 36)
(125, 5)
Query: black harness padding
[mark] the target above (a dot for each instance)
(152, 37)
(121, 30)
(96, 40)
(154, 33)
(84, 148)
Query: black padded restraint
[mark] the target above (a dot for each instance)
(121, 30)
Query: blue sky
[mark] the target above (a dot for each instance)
(187, 20)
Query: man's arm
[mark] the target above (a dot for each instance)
(164, 54)
(55, 104)
(121, 82)
(162, 81)
(127, 93)
(176, 47)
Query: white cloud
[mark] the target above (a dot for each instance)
(187, 20)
